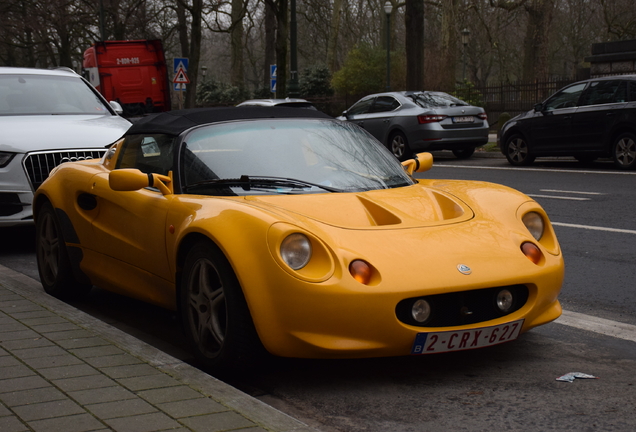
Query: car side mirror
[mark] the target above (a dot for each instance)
(538, 107)
(116, 107)
(420, 163)
(131, 179)
(345, 114)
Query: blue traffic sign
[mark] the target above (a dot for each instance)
(180, 63)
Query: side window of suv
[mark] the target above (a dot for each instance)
(632, 91)
(604, 92)
(566, 98)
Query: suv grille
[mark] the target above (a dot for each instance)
(39, 165)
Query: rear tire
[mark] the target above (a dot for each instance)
(624, 151)
(464, 153)
(214, 313)
(517, 151)
(399, 146)
(54, 266)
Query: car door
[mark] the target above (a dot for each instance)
(598, 110)
(550, 127)
(358, 113)
(380, 116)
(129, 231)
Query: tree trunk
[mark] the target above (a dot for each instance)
(236, 44)
(195, 53)
(332, 60)
(414, 22)
(448, 60)
(536, 44)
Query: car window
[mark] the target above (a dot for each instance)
(25, 94)
(437, 100)
(147, 153)
(604, 92)
(360, 107)
(384, 104)
(566, 98)
(632, 91)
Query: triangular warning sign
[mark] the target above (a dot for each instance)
(181, 77)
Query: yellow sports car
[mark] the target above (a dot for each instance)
(292, 231)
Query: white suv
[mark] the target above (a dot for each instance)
(47, 117)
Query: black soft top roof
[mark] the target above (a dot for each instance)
(175, 122)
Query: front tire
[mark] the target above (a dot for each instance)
(517, 151)
(464, 153)
(54, 266)
(214, 313)
(399, 146)
(624, 151)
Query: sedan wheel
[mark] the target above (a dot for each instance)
(517, 151)
(54, 267)
(399, 146)
(215, 316)
(625, 151)
(464, 153)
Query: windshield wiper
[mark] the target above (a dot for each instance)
(262, 182)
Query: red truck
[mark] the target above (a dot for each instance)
(132, 73)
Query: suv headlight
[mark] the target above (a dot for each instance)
(5, 158)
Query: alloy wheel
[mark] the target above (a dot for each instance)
(206, 307)
(625, 151)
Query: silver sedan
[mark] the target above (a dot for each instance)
(413, 121)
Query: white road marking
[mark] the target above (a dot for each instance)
(571, 192)
(559, 197)
(594, 228)
(598, 325)
(617, 172)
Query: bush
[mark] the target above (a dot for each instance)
(467, 92)
(315, 81)
(211, 92)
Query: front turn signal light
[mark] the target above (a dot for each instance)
(532, 252)
(361, 271)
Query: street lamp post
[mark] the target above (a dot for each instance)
(388, 8)
(465, 34)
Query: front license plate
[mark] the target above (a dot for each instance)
(439, 342)
(465, 119)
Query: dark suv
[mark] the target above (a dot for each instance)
(588, 119)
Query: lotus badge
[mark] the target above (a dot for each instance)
(464, 269)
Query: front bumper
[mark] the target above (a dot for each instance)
(341, 318)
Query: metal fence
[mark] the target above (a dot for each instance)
(512, 98)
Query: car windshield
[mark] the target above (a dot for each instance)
(288, 156)
(436, 100)
(25, 94)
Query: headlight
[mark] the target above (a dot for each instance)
(534, 222)
(296, 250)
(5, 158)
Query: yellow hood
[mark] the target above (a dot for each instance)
(408, 207)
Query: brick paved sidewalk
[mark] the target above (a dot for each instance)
(62, 370)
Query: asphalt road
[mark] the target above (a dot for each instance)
(507, 387)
